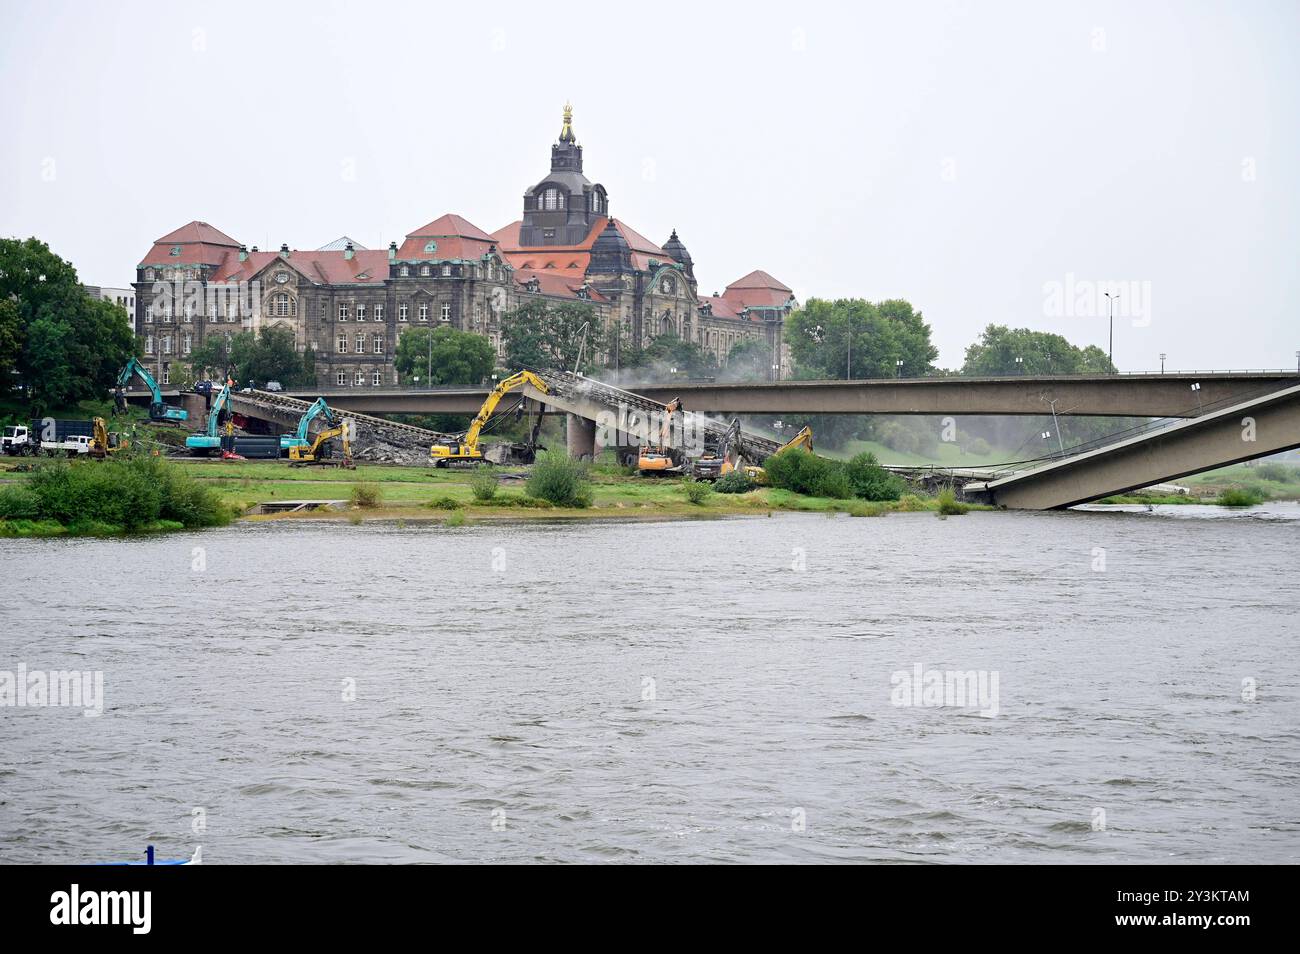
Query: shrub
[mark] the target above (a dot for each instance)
(19, 503)
(696, 491)
(444, 503)
(1240, 497)
(910, 503)
(558, 478)
(457, 519)
(133, 494)
(805, 473)
(366, 496)
(1278, 472)
(736, 482)
(833, 482)
(483, 485)
(870, 481)
(949, 505)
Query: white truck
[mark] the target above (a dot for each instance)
(61, 437)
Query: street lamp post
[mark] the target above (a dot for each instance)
(1111, 350)
(898, 365)
(1020, 365)
(428, 374)
(1162, 362)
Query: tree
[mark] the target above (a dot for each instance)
(1039, 352)
(271, 355)
(541, 335)
(851, 337)
(669, 353)
(61, 345)
(443, 355)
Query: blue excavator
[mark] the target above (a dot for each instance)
(158, 409)
(208, 441)
(301, 438)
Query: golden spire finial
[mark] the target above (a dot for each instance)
(566, 131)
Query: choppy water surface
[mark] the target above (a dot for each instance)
(664, 691)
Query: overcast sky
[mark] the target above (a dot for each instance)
(964, 156)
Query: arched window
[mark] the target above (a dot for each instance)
(595, 202)
(280, 306)
(552, 199)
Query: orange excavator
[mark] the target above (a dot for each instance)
(662, 458)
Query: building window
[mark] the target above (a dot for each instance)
(377, 378)
(148, 344)
(424, 312)
(167, 310)
(341, 379)
(188, 345)
(189, 311)
(552, 199)
(148, 315)
(359, 379)
(361, 344)
(379, 345)
(167, 374)
(324, 309)
(446, 270)
(343, 311)
(446, 312)
(167, 344)
(343, 344)
(361, 312)
(280, 305)
(379, 313)
(405, 272)
(424, 270)
(402, 310)
(148, 274)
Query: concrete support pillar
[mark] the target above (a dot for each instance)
(580, 437)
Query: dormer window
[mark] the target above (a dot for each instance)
(552, 199)
(424, 270)
(405, 271)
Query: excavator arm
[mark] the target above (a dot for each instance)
(158, 409)
(512, 383)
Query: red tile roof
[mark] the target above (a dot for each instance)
(556, 285)
(329, 268)
(758, 289)
(453, 236)
(197, 232)
(574, 257)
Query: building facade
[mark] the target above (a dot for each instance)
(350, 304)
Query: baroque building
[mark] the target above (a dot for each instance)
(350, 304)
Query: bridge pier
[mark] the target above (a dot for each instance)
(580, 437)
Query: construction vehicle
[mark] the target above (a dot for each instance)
(210, 440)
(464, 448)
(301, 437)
(321, 450)
(45, 435)
(803, 440)
(158, 409)
(103, 443)
(662, 458)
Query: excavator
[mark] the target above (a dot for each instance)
(802, 440)
(158, 409)
(210, 440)
(464, 448)
(320, 451)
(302, 436)
(662, 458)
(102, 443)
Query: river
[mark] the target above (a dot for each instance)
(726, 690)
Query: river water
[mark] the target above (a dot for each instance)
(717, 690)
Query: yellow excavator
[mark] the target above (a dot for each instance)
(102, 443)
(733, 458)
(661, 458)
(320, 451)
(464, 448)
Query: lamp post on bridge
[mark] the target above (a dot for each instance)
(1162, 361)
(1111, 350)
